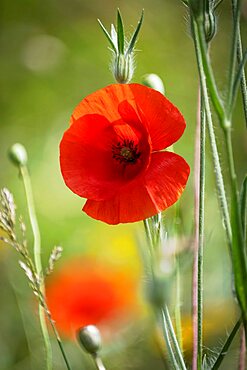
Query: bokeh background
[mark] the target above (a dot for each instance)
(53, 53)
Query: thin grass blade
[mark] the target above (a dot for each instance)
(226, 346)
(171, 331)
(243, 205)
(238, 78)
(169, 347)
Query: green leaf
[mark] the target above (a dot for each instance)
(185, 2)
(172, 357)
(217, 3)
(243, 205)
(135, 34)
(226, 346)
(239, 253)
(120, 33)
(167, 322)
(238, 79)
(108, 36)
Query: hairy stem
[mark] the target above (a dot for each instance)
(43, 309)
(242, 352)
(201, 55)
(37, 260)
(233, 56)
(233, 227)
(239, 252)
(240, 58)
(197, 291)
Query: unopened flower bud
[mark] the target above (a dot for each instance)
(90, 339)
(123, 68)
(18, 154)
(158, 291)
(154, 81)
(123, 50)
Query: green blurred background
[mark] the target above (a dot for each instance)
(53, 54)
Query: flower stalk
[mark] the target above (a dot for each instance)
(233, 225)
(197, 291)
(34, 271)
(43, 309)
(37, 259)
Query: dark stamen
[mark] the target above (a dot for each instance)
(126, 152)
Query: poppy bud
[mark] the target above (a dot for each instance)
(123, 50)
(18, 154)
(154, 81)
(157, 292)
(90, 339)
(123, 68)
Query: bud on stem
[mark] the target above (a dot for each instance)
(154, 81)
(123, 50)
(18, 155)
(90, 339)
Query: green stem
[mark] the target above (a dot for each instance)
(43, 309)
(201, 47)
(226, 346)
(240, 58)
(98, 362)
(150, 242)
(233, 228)
(217, 167)
(233, 56)
(242, 352)
(178, 307)
(198, 258)
(239, 254)
(177, 350)
(60, 344)
(168, 342)
(37, 260)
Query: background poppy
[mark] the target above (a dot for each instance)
(84, 291)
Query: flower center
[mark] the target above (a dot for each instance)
(126, 152)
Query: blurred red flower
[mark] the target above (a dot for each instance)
(86, 292)
(112, 153)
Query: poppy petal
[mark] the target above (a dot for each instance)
(85, 157)
(104, 102)
(90, 156)
(131, 204)
(166, 178)
(164, 121)
(160, 187)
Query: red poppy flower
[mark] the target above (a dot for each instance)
(112, 153)
(85, 292)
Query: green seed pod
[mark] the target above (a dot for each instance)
(90, 339)
(154, 81)
(18, 154)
